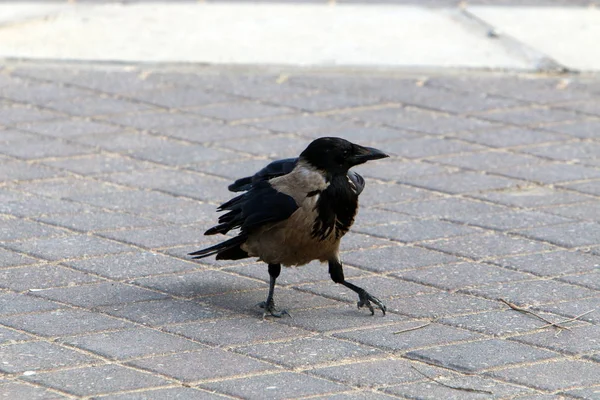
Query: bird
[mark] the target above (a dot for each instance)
(294, 211)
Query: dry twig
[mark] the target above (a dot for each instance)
(412, 329)
(569, 320)
(526, 311)
(464, 389)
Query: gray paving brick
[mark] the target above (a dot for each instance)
(362, 395)
(568, 235)
(132, 343)
(532, 292)
(553, 375)
(162, 312)
(27, 206)
(395, 258)
(372, 216)
(533, 197)
(364, 134)
(22, 170)
(377, 194)
(585, 393)
(398, 169)
(66, 188)
(242, 110)
(511, 220)
(590, 187)
(581, 152)
(591, 280)
(13, 114)
(302, 124)
(13, 229)
(370, 373)
(69, 128)
(95, 380)
(551, 172)
(324, 101)
(429, 147)
(198, 283)
(73, 246)
(237, 331)
(42, 277)
(99, 294)
(575, 308)
(414, 231)
(97, 221)
(440, 304)
(203, 364)
(156, 237)
(445, 208)
(583, 211)
(179, 393)
(529, 115)
(12, 303)
(10, 336)
(463, 182)
(499, 322)
(578, 340)
(581, 129)
(386, 338)
(19, 390)
(155, 120)
(180, 97)
(511, 136)
(34, 356)
(43, 148)
(552, 263)
(41, 93)
(487, 246)
(131, 200)
(275, 386)
(489, 160)
(63, 322)
(461, 275)
(95, 106)
(132, 265)
(481, 355)
(280, 146)
(98, 164)
(431, 391)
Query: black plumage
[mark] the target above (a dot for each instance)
(296, 210)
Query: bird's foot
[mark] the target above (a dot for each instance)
(270, 309)
(365, 299)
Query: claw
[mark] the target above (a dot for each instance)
(365, 300)
(271, 310)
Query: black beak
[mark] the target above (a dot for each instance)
(363, 154)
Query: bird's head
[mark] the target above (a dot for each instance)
(337, 156)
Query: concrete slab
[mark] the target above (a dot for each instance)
(237, 33)
(14, 13)
(568, 35)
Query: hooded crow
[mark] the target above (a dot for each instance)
(295, 211)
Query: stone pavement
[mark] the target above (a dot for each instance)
(110, 175)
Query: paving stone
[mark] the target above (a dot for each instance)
(386, 338)
(428, 390)
(586, 393)
(95, 380)
(179, 393)
(381, 287)
(463, 182)
(532, 292)
(156, 237)
(96, 106)
(66, 188)
(511, 136)
(63, 322)
(155, 120)
(12, 303)
(69, 128)
(480, 355)
(237, 331)
(583, 211)
(429, 147)
(44, 148)
(9, 336)
(364, 395)
(69, 247)
(374, 216)
(42, 277)
(162, 312)
(370, 373)
(569, 235)
(302, 124)
(499, 322)
(324, 101)
(23, 205)
(578, 340)
(487, 246)
(553, 375)
(591, 187)
(575, 308)
(461, 275)
(203, 364)
(132, 265)
(551, 172)
(395, 258)
(591, 280)
(552, 263)
(489, 160)
(23, 170)
(13, 229)
(280, 146)
(198, 283)
(41, 93)
(414, 231)
(581, 129)
(440, 304)
(581, 152)
(445, 208)
(533, 197)
(18, 390)
(377, 194)
(529, 116)
(275, 386)
(180, 97)
(131, 200)
(13, 114)
(364, 134)
(242, 110)
(399, 170)
(99, 294)
(511, 220)
(98, 164)
(35, 356)
(132, 343)
(97, 221)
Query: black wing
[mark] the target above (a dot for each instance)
(273, 170)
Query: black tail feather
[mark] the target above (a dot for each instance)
(241, 185)
(220, 248)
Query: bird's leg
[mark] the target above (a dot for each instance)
(364, 298)
(269, 304)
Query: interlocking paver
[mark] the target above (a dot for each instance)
(103, 200)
